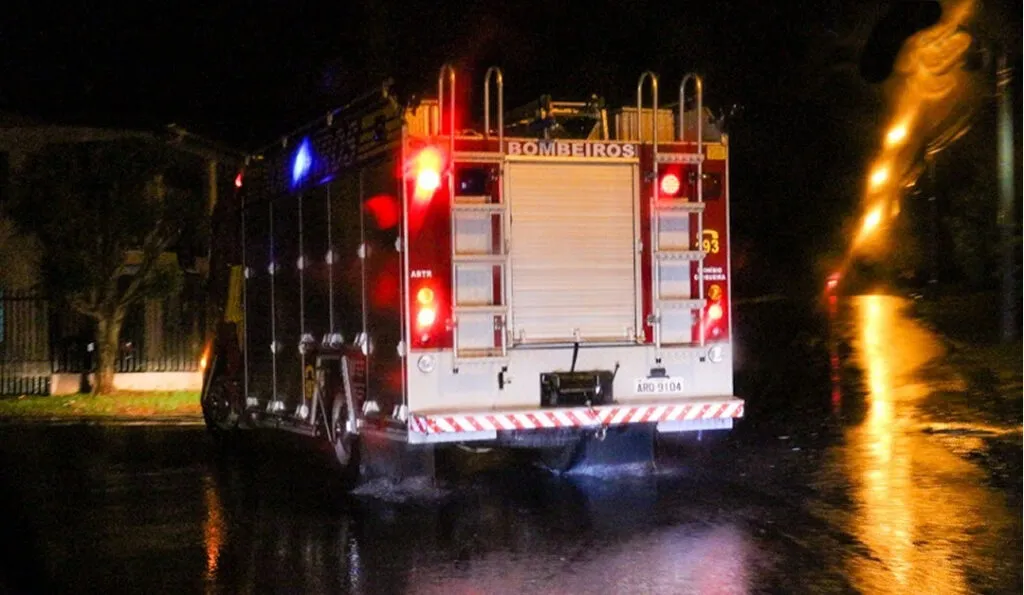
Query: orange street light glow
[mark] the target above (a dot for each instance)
(879, 176)
(897, 134)
(871, 220)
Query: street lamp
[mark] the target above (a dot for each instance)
(879, 176)
(896, 135)
(871, 220)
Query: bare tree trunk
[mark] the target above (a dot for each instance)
(108, 332)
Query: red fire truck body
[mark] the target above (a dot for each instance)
(562, 273)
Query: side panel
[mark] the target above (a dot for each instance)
(382, 218)
(258, 299)
(315, 264)
(345, 273)
(287, 300)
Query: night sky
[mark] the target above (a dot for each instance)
(801, 140)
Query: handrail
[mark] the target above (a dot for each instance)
(699, 92)
(500, 85)
(655, 195)
(654, 108)
(451, 108)
(700, 108)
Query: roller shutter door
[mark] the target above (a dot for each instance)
(572, 251)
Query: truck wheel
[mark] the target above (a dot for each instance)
(217, 410)
(345, 444)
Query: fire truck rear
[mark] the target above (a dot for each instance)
(556, 280)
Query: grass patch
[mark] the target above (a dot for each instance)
(121, 404)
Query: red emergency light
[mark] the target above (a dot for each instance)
(427, 166)
(670, 181)
(670, 184)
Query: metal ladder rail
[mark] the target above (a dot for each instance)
(699, 93)
(653, 174)
(490, 209)
(499, 82)
(449, 71)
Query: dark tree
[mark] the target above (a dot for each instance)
(107, 216)
(19, 257)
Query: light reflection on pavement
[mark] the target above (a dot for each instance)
(918, 506)
(824, 488)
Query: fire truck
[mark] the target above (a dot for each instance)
(390, 281)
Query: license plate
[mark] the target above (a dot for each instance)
(658, 386)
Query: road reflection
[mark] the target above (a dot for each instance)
(914, 525)
(829, 486)
(549, 536)
(213, 529)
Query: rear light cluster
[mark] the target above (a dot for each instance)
(425, 315)
(426, 174)
(714, 315)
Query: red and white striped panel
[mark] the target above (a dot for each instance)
(609, 415)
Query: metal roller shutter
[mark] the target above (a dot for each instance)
(572, 251)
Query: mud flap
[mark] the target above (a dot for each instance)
(383, 457)
(629, 446)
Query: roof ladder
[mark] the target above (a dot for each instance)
(479, 250)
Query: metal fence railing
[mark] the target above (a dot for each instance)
(38, 340)
(24, 343)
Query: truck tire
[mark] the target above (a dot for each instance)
(218, 413)
(345, 444)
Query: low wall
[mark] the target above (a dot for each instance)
(65, 384)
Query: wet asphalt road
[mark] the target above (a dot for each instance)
(831, 485)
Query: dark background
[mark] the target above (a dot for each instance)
(245, 73)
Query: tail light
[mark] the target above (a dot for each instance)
(426, 317)
(715, 323)
(670, 182)
(425, 313)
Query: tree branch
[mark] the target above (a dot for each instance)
(156, 242)
(89, 308)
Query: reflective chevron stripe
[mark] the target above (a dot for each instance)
(575, 417)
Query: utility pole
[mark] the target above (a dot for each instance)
(1006, 219)
(933, 218)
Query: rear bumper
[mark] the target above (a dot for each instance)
(680, 415)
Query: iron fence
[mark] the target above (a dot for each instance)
(24, 343)
(38, 339)
(153, 339)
